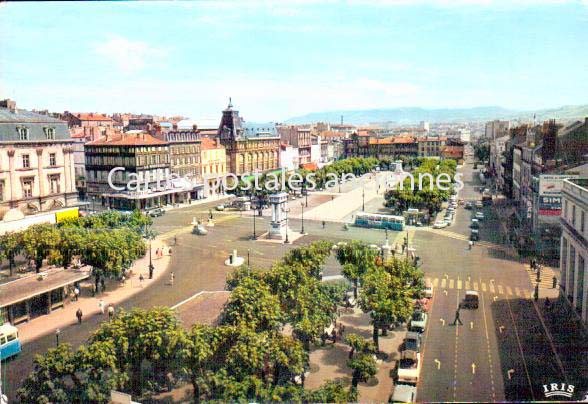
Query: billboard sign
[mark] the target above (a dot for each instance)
(550, 187)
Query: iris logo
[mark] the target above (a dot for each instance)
(558, 389)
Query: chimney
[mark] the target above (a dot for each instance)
(8, 103)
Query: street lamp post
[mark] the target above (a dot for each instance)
(57, 332)
(248, 253)
(302, 231)
(363, 199)
(93, 203)
(306, 196)
(287, 241)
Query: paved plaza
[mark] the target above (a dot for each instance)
(510, 331)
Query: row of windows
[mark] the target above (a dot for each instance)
(28, 186)
(26, 160)
(184, 150)
(23, 133)
(185, 160)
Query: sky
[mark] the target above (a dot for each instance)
(282, 59)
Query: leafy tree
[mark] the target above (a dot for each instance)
(377, 299)
(39, 241)
(363, 366)
(10, 247)
(356, 258)
(358, 344)
(151, 338)
(252, 305)
(331, 392)
(313, 256)
(482, 152)
(52, 377)
(72, 242)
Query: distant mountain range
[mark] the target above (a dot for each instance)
(410, 115)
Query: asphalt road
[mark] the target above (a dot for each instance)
(198, 265)
(505, 333)
(502, 351)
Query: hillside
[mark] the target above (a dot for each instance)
(410, 115)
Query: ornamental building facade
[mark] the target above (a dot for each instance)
(250, 147)
(36, 163)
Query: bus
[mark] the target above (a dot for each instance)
(9, 342)
(379, 221)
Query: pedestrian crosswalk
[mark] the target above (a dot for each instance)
(483, 286)
(463, 237)
(546, 276)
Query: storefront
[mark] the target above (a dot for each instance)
(39, 294)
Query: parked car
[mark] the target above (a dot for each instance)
(471, 300)
(219, 207)
(412, 342)
(439, 224)
(157, 212)
(409, 367)
(418, 322)
(479, 204)
(404, 393)
(428, 289)
(475, 224)
(479, 215)
(469, 205)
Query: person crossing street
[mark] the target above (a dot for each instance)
(457, 319)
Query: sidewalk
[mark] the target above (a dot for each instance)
(115, 294)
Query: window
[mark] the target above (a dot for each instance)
(1, 191)
(573, 215)
(582, 220)
(27, 187)
(52, 159)
(23, 133)
(54, 184)
(49, 133)
(26, 161)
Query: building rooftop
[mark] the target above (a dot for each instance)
(209, 144)
(128, 139)
(267, 129)
(23, 116)
(90, 116)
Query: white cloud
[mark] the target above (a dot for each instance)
(127, 55)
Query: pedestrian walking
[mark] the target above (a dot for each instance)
(470, 244)
(547, 303)
(101, 306)
(110, 312)
(103, 284)
(554, 284)
(169, 251)
(157, 253)
(457, 319)
(76, 294)
(79, 316)
(141, 279)
(171, 278)
(175, 240)
(324, 224)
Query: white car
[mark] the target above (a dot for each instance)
(428, 290)
(479, 204)
(409, 367)
(479, 216)
(439, 224)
